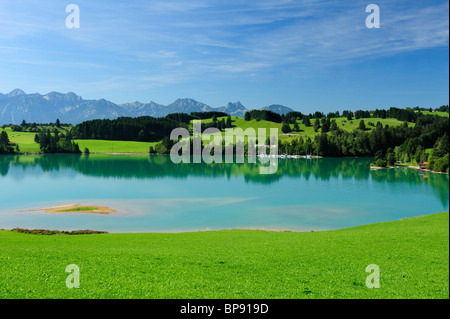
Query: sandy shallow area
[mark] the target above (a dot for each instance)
(74, 208)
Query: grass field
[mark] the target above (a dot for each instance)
(24, 139)
(28, 145)
(445, 114)
(412, 254)
(104, 146)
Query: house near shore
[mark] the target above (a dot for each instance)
(423, 165)
(12, 144)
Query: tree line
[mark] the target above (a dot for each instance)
(404, 143)
(425, 141)
(145, 128)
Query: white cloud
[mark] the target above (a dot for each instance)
(185, 38)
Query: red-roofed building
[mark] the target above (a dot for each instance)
(423, 165)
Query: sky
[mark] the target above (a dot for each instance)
(308, 55)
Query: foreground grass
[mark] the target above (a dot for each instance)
(413, 256)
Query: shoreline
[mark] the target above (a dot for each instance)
(128, 153)
(372, 167)
(375, 168)
(256, 229)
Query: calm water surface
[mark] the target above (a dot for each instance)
(152, 194)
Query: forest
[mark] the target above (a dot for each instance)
(425, 141)
(406, 144)
(423, 137)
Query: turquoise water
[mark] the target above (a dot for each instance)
(152, 194)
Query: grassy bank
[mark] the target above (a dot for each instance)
(413, 256)
(105, 146)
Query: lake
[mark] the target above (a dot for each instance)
(152, 194)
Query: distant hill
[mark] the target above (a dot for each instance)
(280, 109)
(141, 109)
(17, 106)
(234, 109)
(187, 106)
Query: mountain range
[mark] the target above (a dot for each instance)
(17, 106)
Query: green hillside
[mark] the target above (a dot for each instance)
(27, 144)
(305, 131)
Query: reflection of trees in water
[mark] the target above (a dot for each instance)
(144, 167)
(437, 182)
(4, 166)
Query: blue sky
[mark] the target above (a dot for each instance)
(308, 55)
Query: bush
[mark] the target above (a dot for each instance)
(362, 125)
(390, 158)
(161, 149)
(442, 164)
(286, 128)
(381, 163)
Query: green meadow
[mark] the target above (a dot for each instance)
(445, 114)
(105, 146)
(306, 131)
(24, 139)
(27, 144)
(412, 255)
